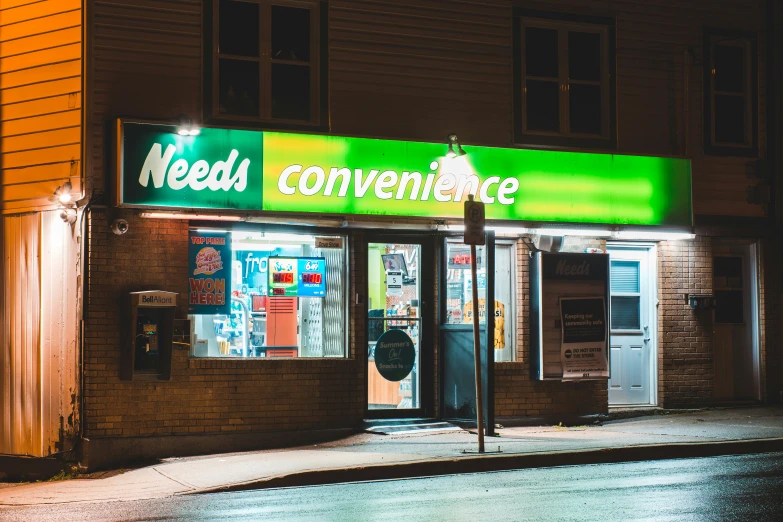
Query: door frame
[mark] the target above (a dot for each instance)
(749, 248)
(652, 306)
(428, 312)
(755, 294)
(488, 373)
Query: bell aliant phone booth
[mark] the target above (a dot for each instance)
(148, 336)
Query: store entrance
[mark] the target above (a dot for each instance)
(457, 377)
(400, 288)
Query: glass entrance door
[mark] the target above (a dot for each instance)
(394, 326)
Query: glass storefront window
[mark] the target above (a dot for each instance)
(268, 317)
(459, 296)
(459, 290)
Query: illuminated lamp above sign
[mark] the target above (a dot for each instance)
(243, 170)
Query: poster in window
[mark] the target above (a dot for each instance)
(209, 272)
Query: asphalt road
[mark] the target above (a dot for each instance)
(748, 487)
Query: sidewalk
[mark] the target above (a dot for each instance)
(373, 457)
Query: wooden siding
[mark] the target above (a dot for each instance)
(58, 334)
(40, 101)
(21, 427)
(414, 69)
(420, 69)
(146, 63)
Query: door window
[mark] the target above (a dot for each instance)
(394, 299)
(459, 290)
(729, 294)
(626, 295)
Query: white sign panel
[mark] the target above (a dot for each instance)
(393, 284)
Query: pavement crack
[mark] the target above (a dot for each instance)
(180, 482)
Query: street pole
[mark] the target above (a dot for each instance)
(475, 234)
(477, 350)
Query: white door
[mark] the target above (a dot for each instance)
(631, 347)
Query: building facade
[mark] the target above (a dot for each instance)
(643, 134)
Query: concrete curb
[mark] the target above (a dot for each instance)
(500, 462)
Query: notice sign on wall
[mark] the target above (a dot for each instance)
(569, 334)
(583, 346)
(209, 272)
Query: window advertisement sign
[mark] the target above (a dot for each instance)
(568, 306)
(209, 272)
(297, 277)
(285, 172)
(395, 355)
(584, 348)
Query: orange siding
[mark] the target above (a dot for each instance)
(40, 101)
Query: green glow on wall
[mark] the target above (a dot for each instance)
(359, 176)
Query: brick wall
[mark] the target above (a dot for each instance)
(203, 395)
(685, 351)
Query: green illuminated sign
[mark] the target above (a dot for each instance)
(281, 172)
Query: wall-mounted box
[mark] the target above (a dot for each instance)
(569, 312)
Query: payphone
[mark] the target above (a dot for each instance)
(149, 320)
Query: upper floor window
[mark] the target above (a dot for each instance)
(731, 93)
(267, 61)
(565, 81)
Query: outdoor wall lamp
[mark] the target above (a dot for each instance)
(68, 215)
(187, 127)
(63, 195)
(454, 141)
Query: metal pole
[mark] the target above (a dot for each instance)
(477, 350)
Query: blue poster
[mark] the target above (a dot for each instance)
(209, 273)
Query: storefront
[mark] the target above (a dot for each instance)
(322, 280)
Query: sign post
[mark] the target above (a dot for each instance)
(474, 235)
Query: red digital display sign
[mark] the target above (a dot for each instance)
(312, 278)
(283, 277)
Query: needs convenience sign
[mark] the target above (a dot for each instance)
(282, 172)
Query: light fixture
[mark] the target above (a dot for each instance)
(498, 229)
(581, 232)
(451, 153)
(63, 193)
(653, 235)
(187, 127)
(68, 215)
(508, 230)
(203, 217)
(66, 200)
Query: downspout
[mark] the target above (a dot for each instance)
(83, 239)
